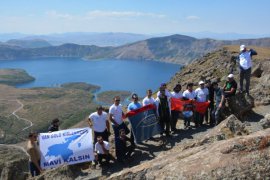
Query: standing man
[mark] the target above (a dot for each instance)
(245, 65)
(135, 104)
(230, 86)
(99, 121)
(167, 92)
(189, 93)
(148, 99)
(219, 103)
(202, 94)
(116, 117)
(54, 125)
(175, 114)
(163, 106)
(34, 155)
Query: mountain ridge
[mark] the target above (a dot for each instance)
(179, 49)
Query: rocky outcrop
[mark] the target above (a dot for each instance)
(244, 157)
(14, 163)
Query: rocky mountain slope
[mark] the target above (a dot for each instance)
(238, 148)
(175, 49)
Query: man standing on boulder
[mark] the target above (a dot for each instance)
(245, 65)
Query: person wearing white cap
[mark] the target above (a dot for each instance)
(245, 65)
(202, 94)
(230, 86)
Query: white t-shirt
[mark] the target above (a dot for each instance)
(147, 101)
(99, 149)
(116, 112)
(167, 93)
(99, 121)
(189, 95)
(245, 60)
(178, 95)
(201, 94)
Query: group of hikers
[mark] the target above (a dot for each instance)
(101, 121)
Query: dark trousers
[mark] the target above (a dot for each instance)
(245, 74)
(33, 169)
(107, 157)
(165, 121)
(198, 118)
(123, 154)
(123, 126)
(175, 116)
(208, 113)
(187, 121)
(104, 135)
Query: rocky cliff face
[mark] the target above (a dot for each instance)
(228, 155)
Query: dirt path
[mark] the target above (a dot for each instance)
(18, 109)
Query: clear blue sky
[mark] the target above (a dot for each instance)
(136, 16)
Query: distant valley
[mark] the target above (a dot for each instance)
(177, 49)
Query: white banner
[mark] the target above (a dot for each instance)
(69, 146)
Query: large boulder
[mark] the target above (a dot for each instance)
(240, 105)
(14, 163)
(244, 157)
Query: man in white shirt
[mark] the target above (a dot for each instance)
(100, 124)
(202, 94)
(102, 151)
(189, 93)
(116, 115)
(167, 92)
(245, 62)
(148, 99)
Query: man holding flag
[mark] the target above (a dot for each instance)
(201, 96)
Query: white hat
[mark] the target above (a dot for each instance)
(242, 47)
(201, 82)
(230, 76)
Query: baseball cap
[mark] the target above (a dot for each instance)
(201, 82)
(242, 47)
(230, 76)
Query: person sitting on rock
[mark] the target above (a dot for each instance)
(245, 65)
(230, 86)
(102, 151)
(219, 103)
(34, 155)
(123, 150)
(54, 125)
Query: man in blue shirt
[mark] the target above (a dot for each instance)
(245, 65)
(135, 104)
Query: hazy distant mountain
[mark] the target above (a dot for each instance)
(176, 48)
(224, 36)
(98, 39)
(35, 43)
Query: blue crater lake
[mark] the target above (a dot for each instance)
(134, 76)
